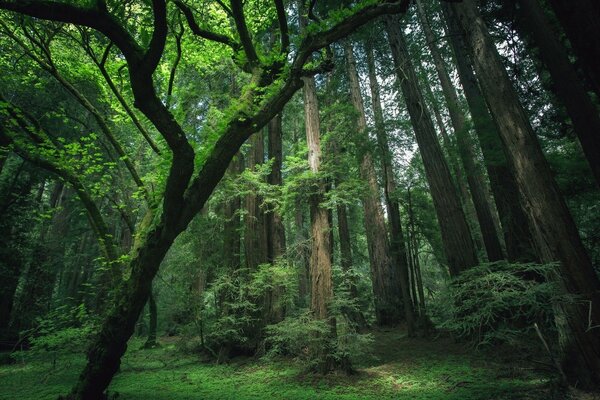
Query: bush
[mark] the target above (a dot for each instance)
(499, 302)
(62, 331)
(310, 342)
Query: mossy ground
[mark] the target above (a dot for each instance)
(401, 368)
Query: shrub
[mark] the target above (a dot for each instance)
(499, 302)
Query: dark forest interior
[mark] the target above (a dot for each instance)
(299, 199)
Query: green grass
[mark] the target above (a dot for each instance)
(401, 368)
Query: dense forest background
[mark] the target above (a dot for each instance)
(306, 182)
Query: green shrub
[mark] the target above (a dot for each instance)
(62, 331)
(499, 302)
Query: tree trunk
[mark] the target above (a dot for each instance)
(567, 85)
(465, 146)
(581, 21)
(556, 235)
(231, 226)
(275, 311)
(515, 226)
(255, 234)
(397, 244)
(153, 322)
(276, 231)
(456, 235)
(387, 290)
(320, 258)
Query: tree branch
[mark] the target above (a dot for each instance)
(283, 26)
(203, 33)
(237, 10)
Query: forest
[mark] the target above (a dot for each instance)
(299, 199)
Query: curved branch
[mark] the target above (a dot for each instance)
(94, 17)
(203, 33)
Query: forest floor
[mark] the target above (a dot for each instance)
(401, 368)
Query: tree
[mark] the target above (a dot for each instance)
(385, 272)
(465, 145)
(571, 91)
(555, 235)
(456, 236)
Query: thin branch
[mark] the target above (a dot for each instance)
(203, 33)
(283, 26)
(240, 22)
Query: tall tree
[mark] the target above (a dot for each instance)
(581, 22)
(569, 88)
(387, 289)
(397, 242)
(556, 235)
(517, 235)
(456, 236)
(464, 144)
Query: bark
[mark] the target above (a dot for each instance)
(456, 236)
(301, 254)
(515, 226)
(473, 172)
(255, 233)
(231, 213)
(320, 257)
(567, 85)
(385, 276)
(397, 243)
(581, 22)
(276, 230)
(556, 235)
(153, 322)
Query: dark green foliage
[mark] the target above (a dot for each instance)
(500, 302)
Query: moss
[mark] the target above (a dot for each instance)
(401, 368)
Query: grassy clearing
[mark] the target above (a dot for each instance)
(401, 368)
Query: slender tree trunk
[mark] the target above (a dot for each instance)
(465, 146)
(515, 226)
(276, 231)
(255, 234)
(567, 85)
(231, 226)
(385, 277)
(556, 235)
(581, 22)
(456, 235)
(152, 323)
(397, 244)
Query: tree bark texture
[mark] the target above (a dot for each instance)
(456, 236)
(320, 257)
(397, 243)
(465, 146)
(385, 277)
(515, 225)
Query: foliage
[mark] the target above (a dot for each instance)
(499, 302)
(309, 341)
(64, 330)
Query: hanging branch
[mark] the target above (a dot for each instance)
(237, 10)
(283, 26)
